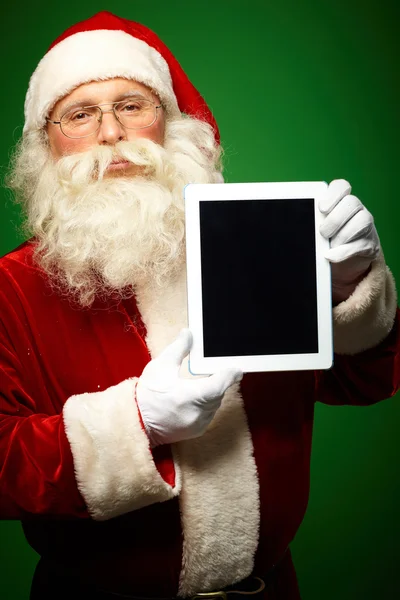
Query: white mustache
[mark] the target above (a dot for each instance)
(75, 170)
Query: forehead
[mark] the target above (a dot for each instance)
(96, 92)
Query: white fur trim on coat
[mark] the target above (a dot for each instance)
(367, 316)
(113, 463)
(94, 56)
(219, 499)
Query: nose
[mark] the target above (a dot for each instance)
(111, 130)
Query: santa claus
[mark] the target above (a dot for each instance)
(131, 478)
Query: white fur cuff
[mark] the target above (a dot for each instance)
(113, 463)
(365, 319)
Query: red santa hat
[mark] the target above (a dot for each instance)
(107, 46)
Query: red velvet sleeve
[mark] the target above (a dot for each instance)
(36, 467)
(364, 378)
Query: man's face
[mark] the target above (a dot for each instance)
(99, 233)
(110, 131)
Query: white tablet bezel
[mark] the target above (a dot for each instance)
(202, 365)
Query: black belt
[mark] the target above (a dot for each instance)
(258, 585)
(68, 586)
(251, 586)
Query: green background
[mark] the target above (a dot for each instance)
(301, 91)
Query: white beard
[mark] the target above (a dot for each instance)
(105, 235)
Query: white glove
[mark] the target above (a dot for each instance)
(354, 241)
(175, 409)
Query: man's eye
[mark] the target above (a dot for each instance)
(131, 107)
(80, 116)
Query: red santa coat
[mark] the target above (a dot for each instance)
(75, 463)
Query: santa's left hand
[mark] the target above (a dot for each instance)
(354, 241)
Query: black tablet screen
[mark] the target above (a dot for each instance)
(258, 277)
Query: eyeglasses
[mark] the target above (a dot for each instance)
(132, 113)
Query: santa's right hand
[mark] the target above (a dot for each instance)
(175, 409)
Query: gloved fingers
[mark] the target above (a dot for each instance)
(175, 352)
(361, 225)
(343, 212)
(362, 247)
(213, 387)
(162, 372)
(336, 190)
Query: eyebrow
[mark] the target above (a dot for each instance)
(90, 102)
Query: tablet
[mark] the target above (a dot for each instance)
(259, 287)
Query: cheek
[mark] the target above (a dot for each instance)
(155, 133)
(60, 145)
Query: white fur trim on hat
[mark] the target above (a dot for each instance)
(95, 56)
